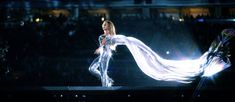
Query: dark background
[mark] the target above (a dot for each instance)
(51, 42)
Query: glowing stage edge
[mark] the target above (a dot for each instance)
(211, 62)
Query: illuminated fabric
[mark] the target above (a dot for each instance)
(156, 67)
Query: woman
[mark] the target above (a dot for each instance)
(99, 66)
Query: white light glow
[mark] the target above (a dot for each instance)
(156, 67)
(181, 19)
(37, 19)
(167, 52)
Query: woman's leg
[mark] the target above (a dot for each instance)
(94, 68)
(106, 80)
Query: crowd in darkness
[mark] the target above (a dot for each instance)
(59, 49)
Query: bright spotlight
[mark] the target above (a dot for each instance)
(102, 19)
(37, 19)
(167, 52)
(181, 19)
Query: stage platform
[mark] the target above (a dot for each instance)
(113, 94)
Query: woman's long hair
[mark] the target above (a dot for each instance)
(110, 26)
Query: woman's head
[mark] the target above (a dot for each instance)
(109, 27)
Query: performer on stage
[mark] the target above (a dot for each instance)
(99, 66)
(184, 71)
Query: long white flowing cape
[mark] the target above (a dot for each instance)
(158, 68)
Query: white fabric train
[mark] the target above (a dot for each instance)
(156, 67)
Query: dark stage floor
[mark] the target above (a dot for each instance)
(114, 94)
(220, 87)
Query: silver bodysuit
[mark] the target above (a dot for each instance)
(99, 67)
